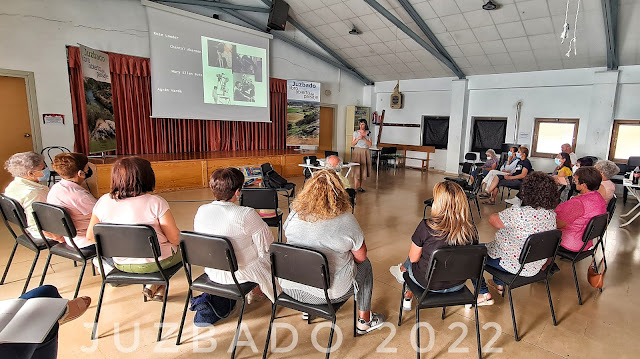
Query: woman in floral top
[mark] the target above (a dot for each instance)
(540, 197)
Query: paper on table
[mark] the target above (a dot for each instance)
(29, 320)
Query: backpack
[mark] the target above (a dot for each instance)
(274, 180)
(210, 309)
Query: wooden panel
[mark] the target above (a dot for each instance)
(103, 174)
(291, 168)
(213, 165)
(326, 129)
(177, 175)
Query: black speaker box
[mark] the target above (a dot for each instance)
(278, 15)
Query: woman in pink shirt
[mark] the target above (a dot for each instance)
(130, 202)
(69, 193)
(573, 215)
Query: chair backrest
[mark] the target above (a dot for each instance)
(477, 182)
(53, 219)
(596, 227)
(611, 207)
(388, 150)
(266, 168)
(207, 250)
(539, 246)
(259, 198)
(52, 151)
(330, 153)
(466, 167)
(470, 156)
(632, 162)
(126, 240)
(456, 263)
(12, 211)
(301, 265)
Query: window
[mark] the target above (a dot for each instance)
(550, 134)
(624, 140)
(435, 131)
(488, 132)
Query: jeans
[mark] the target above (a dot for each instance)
(48, 349)
(407, 266)
(495, 263)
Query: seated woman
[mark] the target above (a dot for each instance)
(490, 165)
(248, 233)
(540, 196)
(607, 169)
(563, 168)
(514, 180)
(129, 202)
(69, 193)
(508, 167)
(574, 214)
(28, 170)
(449, 225)
(321, 219)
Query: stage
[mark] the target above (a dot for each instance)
(179, 171)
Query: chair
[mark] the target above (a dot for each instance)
(611, 208)
(55, 150)
(467, 167)
(130, 241)
(569, 188)
(632, 163)
(427, 203)
(387, 154)
(542, 245)
(472, 192)
(469, 157)
(308, 267)
(330, 153)
(313, 160)
(352, 198)
(264, 198)
(595, 229)
(13, 216)
(56, 220)
(212, 252)
(287, 189)
(448, 264)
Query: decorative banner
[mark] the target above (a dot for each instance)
(303, 113)
(97, 93)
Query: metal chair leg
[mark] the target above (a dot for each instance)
(184, 315)
(266, 345)
(93, 269)
(575, 279)
(164, 307)
(235, 338)
(84, 266)
(444, 312)
(513, 317)
(404, 286)
(478, 205)
(333, 327)
(355, 315)
(417, 331)
(6, 270)
(33, 266)
(95, 321)
(478, 334)
(44, 271)
(553, 313)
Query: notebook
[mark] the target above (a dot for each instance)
(29, 320)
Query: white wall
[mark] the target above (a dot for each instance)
(35, 34)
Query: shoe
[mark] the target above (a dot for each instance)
(360, 189)
(75, 308)
(406, 304)
(397, 273)
(159, 295)
(376, 322)
(148, 293)
(484, 300)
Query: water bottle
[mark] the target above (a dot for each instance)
(636, 176)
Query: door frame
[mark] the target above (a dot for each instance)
(334, 138)
(32, 104)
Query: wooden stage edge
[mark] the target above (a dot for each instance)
(179, 171)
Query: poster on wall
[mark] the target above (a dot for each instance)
(99, 106)
(303, 113)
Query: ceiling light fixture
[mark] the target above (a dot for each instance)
(490, 5)
(354, 31)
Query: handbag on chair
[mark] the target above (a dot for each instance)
(596, 279)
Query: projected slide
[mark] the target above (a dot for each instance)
(233, 74)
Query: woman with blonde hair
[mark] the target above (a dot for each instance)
(450, 225)
(321, 219)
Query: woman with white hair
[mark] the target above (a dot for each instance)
(607, 169)
(28, 170)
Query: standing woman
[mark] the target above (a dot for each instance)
(361, 143)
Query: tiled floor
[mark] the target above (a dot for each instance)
(606, 326)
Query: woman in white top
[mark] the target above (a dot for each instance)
(243, 226)
(360, 154)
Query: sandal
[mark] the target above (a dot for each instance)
(484, 195)
(75, 308)
(148, 293)
(482, 300)
(159, 294)
(489, 202)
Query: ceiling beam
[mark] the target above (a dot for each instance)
(428, 33)
(318, 42)
(610, 15)
(218, 4)
(389, 16)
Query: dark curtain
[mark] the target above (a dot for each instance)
(138, 133)
(436, 132)
(488, 134)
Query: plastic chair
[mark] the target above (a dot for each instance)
(448, 264)
(264, 198)
(538, 246)
(50, 153)
(308, 267)
(56, 220)
(13, 216)
(213, 252)
(595, 230)
(130, 241)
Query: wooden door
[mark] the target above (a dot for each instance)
(326, 129)
(15, 122)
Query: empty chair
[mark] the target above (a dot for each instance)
(56, 220)
(212, 252)
(449, 264)
(330, 153)
(388, 154)
(309, 160)
(264, 198)
(272, 179)
(539, 246)
(308, 267)
(130, 241)
(469, 157)
(16, 221)
(594, 232)
(462, 180)
(50, 152)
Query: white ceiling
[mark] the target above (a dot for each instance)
(521, 35)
